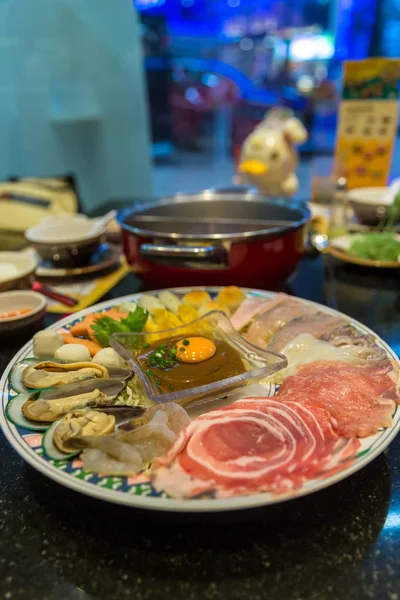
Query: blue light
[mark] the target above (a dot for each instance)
(210, 80)
(146, 4)
(392, 520)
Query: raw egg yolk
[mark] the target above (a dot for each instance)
(195, 349)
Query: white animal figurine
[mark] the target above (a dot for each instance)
(268, 158)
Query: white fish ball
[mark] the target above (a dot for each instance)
(109, 357)
(46, 343)
(73, 353)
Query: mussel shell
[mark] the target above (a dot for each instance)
(15, 415)
(119, 372)
(51, 450)
(111, 387)
(122, 413)
(15, 377)
(59, 367)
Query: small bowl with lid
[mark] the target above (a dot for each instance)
(196, 362)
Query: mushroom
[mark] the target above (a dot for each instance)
(82, 422)
(49, 374)
(46, 343)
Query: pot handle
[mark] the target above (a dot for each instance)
(176, 254)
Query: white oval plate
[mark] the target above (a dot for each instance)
(137, 491)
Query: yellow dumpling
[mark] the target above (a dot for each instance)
(187, 313)
(209, 306)
(149, 328)
(231, 297)
(196, 298)
(165, 319)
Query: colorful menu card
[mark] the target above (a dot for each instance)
(367, 126)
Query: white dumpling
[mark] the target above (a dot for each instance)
(73, 353)
(46, 343)
(150, 303)
(127, 307)
(170, 301)
(108, 357)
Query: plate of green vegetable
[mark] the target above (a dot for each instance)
(371, 249)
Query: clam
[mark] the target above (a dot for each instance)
(48, 406)
(49, 374)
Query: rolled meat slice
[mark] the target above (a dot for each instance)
(254, 445)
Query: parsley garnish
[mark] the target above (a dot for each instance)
(133, 323)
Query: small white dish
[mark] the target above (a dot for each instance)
(21, 300)
(63, 232)
(68, 242)
(16, 270)
(369, 203)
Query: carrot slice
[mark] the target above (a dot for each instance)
(91, 346)
(84, 327)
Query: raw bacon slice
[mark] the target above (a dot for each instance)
(270, 321)
(359, 399)
(254, 445)
(318, 324)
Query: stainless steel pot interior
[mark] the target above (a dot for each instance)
(214, 215)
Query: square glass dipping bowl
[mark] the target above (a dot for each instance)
(257, 363)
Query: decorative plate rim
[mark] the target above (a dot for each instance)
(16, 440)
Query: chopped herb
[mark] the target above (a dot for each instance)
(182, 349)
(170, 386)
(186, 342)
(163, 357)
(158, 382)
(150, 373)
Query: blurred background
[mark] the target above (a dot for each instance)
(214, 68)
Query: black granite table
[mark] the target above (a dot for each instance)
(341, 543)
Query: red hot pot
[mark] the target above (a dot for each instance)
(231, 236)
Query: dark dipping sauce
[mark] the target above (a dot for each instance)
(225, 363)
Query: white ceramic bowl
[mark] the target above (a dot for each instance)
(68, 241)
(20, 300)
(369, 203)
(16, 270)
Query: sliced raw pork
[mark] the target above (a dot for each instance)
(254, 445)
(359, 399)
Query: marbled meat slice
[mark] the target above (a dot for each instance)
(317, 324)
(273, 319)
(359, 399)
(254, 445)
(251, 308)
(347, 335)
